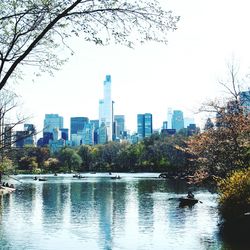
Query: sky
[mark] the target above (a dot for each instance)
(152, 77)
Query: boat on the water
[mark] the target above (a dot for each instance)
(78, 176)
(42, 179)
(185, 201)
(116, 177)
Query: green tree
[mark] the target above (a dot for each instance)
(85, 153)
(31, 31)
(52, 165)
(69, 159)
(6, 166)
(28, 163)
(234, 194)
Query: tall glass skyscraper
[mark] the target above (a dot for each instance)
(245, 101)
(52, 121)
(106, 108)
(170, 113)
(120, 125)
(177, 120)
(144, 125)
(77, 124)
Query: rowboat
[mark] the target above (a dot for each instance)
(185, 201)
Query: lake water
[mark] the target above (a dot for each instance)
(138, 211)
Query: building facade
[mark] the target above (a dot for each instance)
(52, 121)
(119, 125)
(177, 120)
(77, 125)
(106, 108)
(144, 125)
(245, 101)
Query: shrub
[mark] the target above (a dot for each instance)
(234, 193)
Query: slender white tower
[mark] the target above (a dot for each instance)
(105, 108)
(170, 114)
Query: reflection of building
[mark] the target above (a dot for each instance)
(106, 108)
(144, 125)
(177, 120)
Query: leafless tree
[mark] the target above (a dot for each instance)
(225, 146)
(32, 30)
(10, 120)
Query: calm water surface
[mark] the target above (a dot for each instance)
(97, 212)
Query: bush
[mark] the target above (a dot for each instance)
(234, 193)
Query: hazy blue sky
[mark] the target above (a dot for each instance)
(152, 77)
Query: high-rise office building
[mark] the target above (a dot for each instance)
(188, 121)
(31, 131)
(106, 108)
(52, 121)
(165, 125)
(64, 133)
(102, 135)
(88, 134)
(120, 125)
(177, 120)
(245, 101)
(144, 125)
(140, 126)
(77, 124)
(170, 113)
(148, 124)
(95, 124)
(7, 136)
(25, 137)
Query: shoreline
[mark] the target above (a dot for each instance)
(6, 190)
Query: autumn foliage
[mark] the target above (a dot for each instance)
(225, 147)
(234, 194)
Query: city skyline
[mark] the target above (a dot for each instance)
(151, 77)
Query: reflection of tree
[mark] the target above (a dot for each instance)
(146, 205)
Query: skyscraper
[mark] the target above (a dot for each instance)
(140, 126)
(170, 113)
(106, 108)
(52, 121)
(148, 124)
(245, 101)
(77, 124)
(120, 125)
(177, 120)
(144, 125)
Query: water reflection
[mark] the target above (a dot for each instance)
(100, 213)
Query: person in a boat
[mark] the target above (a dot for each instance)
(190, 195)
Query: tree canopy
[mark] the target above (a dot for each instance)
(32, 30)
